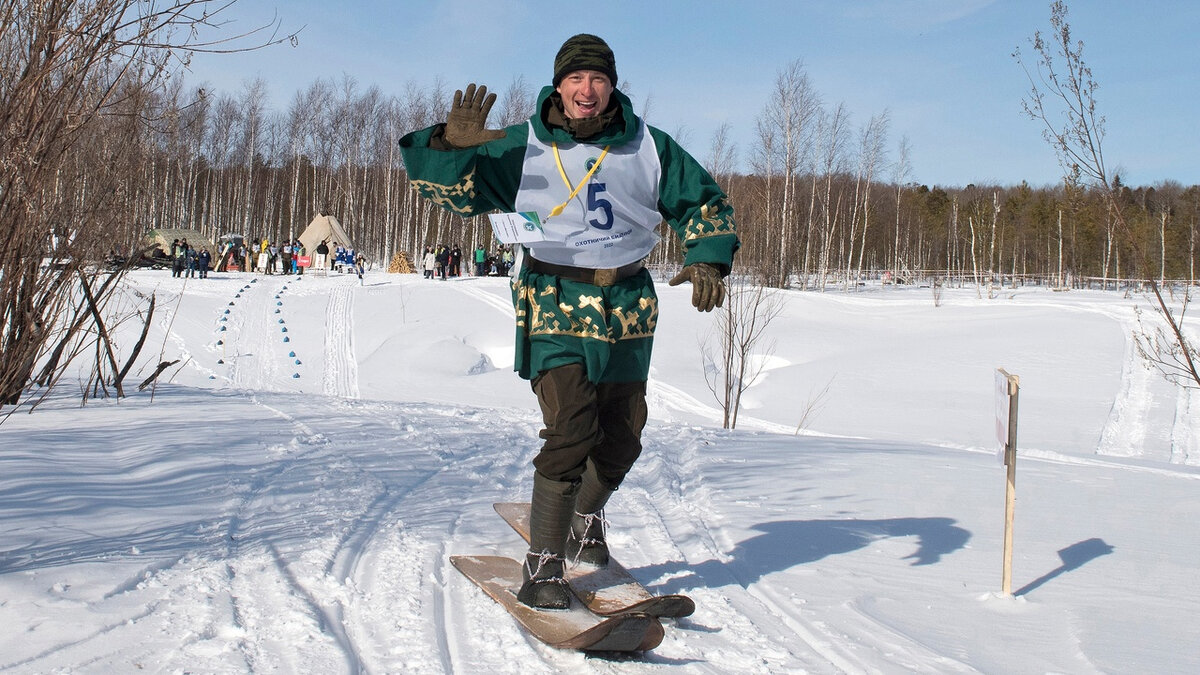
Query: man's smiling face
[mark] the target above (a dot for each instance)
(585, 93)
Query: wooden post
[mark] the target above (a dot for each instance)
(1012, 385)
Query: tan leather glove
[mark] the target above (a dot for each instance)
(466, 125)
(708, 290)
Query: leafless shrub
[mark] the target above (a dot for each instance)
(812, 406)
(735, 352)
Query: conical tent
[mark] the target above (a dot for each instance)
(326, 229)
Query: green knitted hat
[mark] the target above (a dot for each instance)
(584, 52)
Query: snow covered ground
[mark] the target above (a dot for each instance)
(289, 506)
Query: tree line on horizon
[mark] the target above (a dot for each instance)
(822, 203)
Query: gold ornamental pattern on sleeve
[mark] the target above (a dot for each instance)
(456, 197)
(541, 312)
(714, 219)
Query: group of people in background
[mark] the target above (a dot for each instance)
(446, 261)
(187, 260)
(272, 258)
(267, 257)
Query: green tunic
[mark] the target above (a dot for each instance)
(560, 321)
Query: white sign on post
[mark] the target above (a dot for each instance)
(1003, 401)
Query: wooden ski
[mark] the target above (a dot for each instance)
(575, 628)
(610, 590)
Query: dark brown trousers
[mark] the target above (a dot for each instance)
(588, 420)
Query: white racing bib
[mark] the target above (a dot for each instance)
(611, 220)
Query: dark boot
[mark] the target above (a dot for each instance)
(586, 542)
(551, 508)
(544, 586)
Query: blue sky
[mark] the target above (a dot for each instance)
(942, 69)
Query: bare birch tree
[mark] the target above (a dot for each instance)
(517, 104)
(870, 159)
(832, 129)
(785, 129)
(722, 155)
(1062, 98)
(900, 170)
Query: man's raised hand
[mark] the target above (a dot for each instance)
(466, 125)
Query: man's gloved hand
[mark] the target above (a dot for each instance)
(467, 121)
(708, 290)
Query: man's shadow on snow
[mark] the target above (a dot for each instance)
(787, 543)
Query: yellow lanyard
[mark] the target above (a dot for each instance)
(563, 172)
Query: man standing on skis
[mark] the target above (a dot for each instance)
(600, 181)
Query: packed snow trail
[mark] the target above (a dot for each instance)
(249, 520)
(341, 365)
(1125, 433)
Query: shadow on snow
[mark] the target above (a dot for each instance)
(787, 543)
(1073, 557)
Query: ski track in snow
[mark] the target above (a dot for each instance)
(466, 287)
(347, 604)
(679, 520)
(1124, 434)
(244, 347)
(341, 365)
(1185, 438)
(682, 530)
(343, 597)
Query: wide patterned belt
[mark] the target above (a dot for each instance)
(597, 277)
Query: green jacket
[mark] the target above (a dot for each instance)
(477, 180)
(610, 329)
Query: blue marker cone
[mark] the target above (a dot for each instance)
(283, 330)
(296, 375)
(297, 361)
(285, 339)
(292, 354)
